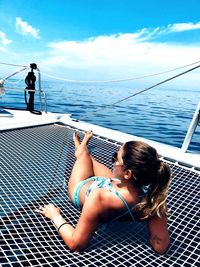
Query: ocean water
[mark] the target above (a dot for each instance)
(162, 114)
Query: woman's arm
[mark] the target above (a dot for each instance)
(159, 234)
(76, 238)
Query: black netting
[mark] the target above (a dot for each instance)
(34, 168)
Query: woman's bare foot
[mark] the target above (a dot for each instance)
(87, 137)
(76, 139)
(81, 147)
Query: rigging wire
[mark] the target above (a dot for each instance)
(11, 75)
(13, 65)
(137, 93)
(19, 89)
(120, 80)
(103, 81)
(18, 81)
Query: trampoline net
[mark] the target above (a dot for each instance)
(34, 168)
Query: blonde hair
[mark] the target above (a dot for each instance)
(148, 171)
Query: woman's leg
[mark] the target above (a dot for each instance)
(83, 166)
(100, 169)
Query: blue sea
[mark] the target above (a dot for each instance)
(162, 114)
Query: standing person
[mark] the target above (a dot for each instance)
(102, 195)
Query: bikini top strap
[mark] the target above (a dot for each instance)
(100, 182)
(124, 201)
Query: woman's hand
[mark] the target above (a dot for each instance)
(49, 211)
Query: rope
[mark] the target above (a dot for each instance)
(18, 81)
(106, 81)
(120, 80)
(139, 92)
(19, 89)
(13, 65)
(16, 72)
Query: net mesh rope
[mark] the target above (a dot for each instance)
(34, 167)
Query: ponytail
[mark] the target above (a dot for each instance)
(154, 202)
(142, 159)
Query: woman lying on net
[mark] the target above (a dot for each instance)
(103, 195)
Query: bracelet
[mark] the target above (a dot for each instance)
(62, 225)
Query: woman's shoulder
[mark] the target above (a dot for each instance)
(103, 198)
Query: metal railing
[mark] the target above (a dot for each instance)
(191, 129)
(42, 100)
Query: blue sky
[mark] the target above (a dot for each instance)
(100, 39)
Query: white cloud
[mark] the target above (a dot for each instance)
(24, 28)
(121, 54)
(117, 56)
(146, 34)
(100, 51)
(180, 27)
(3, 39)
(3, 49)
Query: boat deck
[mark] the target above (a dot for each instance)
(35, 165)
